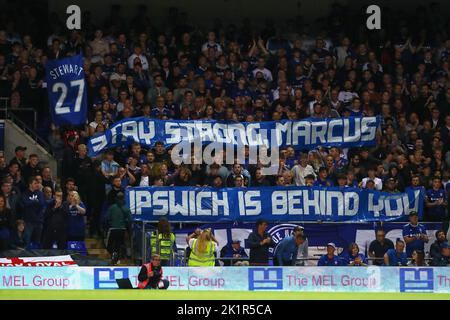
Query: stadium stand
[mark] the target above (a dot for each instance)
(233, 73)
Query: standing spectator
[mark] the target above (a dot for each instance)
(117, 188)
(435, 249)
(47, 179)
(234, 254)
(19, 156)
(77, 210)
(287, 249)
(259, 242)
(31, 169)
(68, 161)
(302, 252)
(7, 221)
(414, 234)
(329, 259)
(11, 197)
(33, 205)
(301, 170)
(109, 166)
(379, 247)
(436, 202)
(57, 214)
(396, 257)
(96, 198)
(119, 218)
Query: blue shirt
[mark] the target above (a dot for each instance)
(350, 258)
(287, 250)
(412, 231)
(76, 225)
(395, 260)
(325, 261)
(323, 183)
(435, 195)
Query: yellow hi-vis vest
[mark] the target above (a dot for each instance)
(202, 259)
(162, 246)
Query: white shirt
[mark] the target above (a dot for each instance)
(144, 181)
(141, 57)
(300, 173)
(378, 183)
(266, 73)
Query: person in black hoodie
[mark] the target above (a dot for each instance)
(56, 223)
(7, 221)
(33, 205)
(97, 197)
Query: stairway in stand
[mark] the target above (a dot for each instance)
(96, 248)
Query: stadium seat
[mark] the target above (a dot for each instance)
(78, 246)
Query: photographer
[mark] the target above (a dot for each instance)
(150, 276)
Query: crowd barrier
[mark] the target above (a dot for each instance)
(311, 279)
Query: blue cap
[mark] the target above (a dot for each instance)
(445, 245)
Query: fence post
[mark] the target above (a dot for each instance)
(144, 244)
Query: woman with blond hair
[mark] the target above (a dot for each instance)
(203, 248)
(76, 221)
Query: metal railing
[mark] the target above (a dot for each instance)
(9, 114)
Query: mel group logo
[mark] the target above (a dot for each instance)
(416, 280)
(265, 279)
(105, 278)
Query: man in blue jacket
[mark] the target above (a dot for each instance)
(235, 251)
(33, 206)
(286, 252)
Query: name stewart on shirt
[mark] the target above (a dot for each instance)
(64, 69)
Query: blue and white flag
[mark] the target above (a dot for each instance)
(67, 90)
(274, 204)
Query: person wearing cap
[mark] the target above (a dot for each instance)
(302, 251)
(287, 250)
(233, 251)
(414, 234)
(19, 156)
(396, 257)
(443, 259)
(329, 259)
(119, 221)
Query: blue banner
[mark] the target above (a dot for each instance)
(303, 134)
(66, 90)
(276, 204)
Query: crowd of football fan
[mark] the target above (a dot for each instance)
(232, 73)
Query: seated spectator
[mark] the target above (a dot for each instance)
(353, 257)
(379, 247)
(396, 257)
(19, 237)
(443, 259)
(435, 249)
(414, 234)
(329, 259)
(417, 259)
(235, 251)
(119, 221)
(75, 224)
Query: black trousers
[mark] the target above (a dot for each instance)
(57, 235)
(116, 240)
(154, 285)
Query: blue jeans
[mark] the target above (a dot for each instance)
(33, 231)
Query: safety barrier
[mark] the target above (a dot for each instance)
(313, 279)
